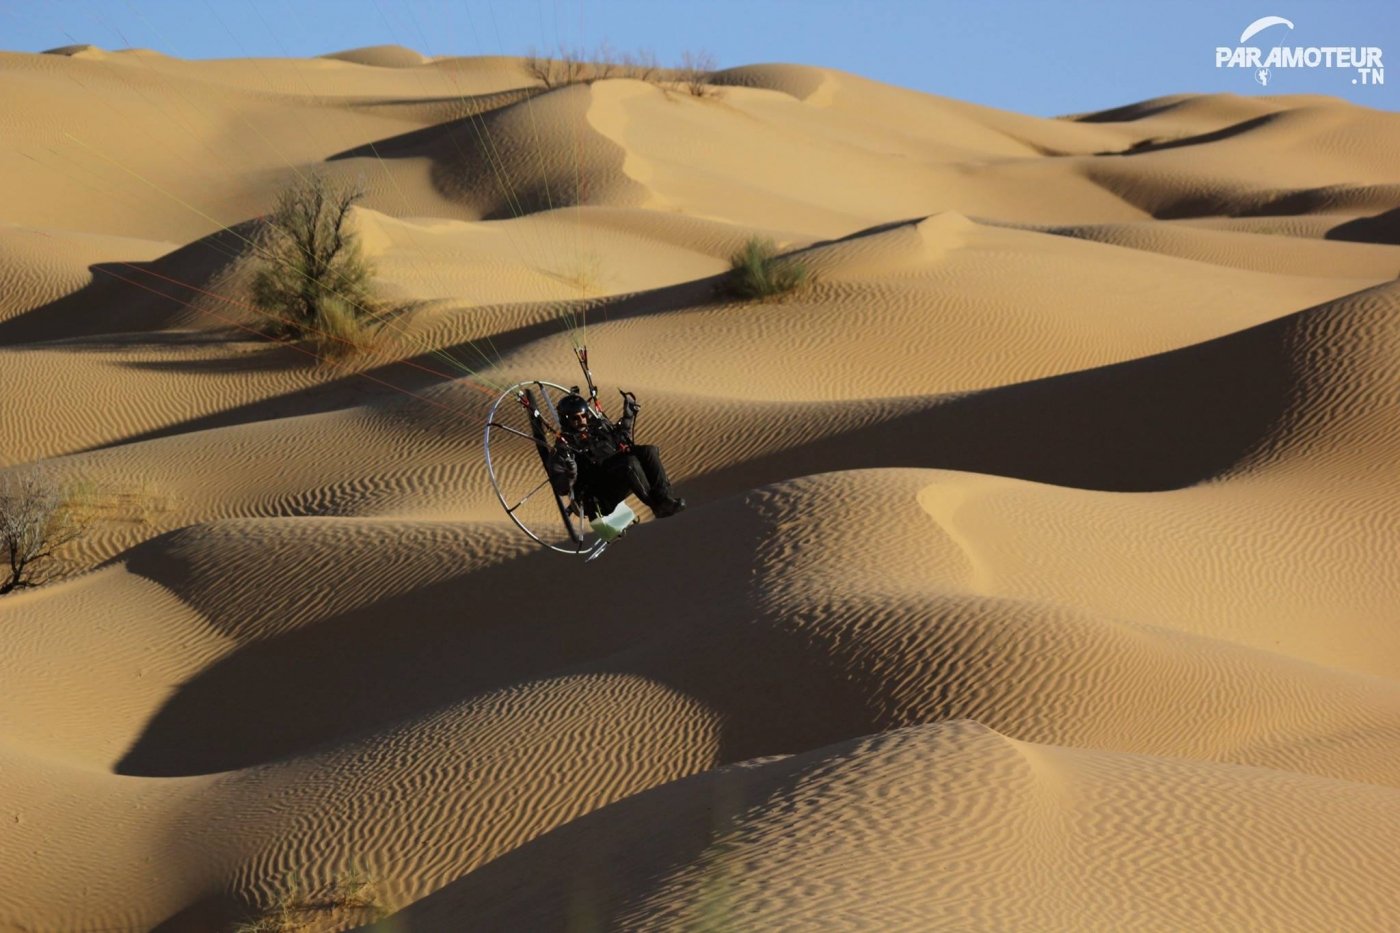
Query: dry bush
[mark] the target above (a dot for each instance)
(313, 274)
(696, 74)
(641, 66)
(351, 896)
(757, 272)
(568, 68)
(341, 331)
(571, 66)
(603, 63)
(37, 519)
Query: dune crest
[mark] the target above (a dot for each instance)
(380, 56)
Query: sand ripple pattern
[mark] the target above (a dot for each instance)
(956, 827)
(1037, 574)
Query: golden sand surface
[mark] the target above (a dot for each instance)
(1039, 571)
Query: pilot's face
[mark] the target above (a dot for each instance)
(576, 422)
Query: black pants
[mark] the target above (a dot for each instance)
(638, 471)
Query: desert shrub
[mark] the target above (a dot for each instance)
(341, 330)
(568, 66)
(604, 63)
(696, 74)
(757, 272)
(351, 896)
(640, 66)
(313, 272)
(37, 519)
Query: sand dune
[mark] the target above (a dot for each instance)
(1037, 571)
(954, 826)
(1241, 248)
(381, 56)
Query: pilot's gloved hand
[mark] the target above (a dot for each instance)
(565, 464)
(629, 403)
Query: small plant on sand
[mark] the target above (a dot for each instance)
(569, 67)
(572, 66)
(37, 519)
(757, 272)
(351, 896)
(314, 280)
(640, 66)
(696, 74)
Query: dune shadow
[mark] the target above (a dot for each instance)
(1378, 228)
(412, 143)
(1127, 113)
(464, 105)
(402, 379)
(1277, 203)
(226, 353)
(209, 912)
(133, 296)
(1143, 146)
(528, 617)
(484, 170)
(1146, 425)
(359, 671)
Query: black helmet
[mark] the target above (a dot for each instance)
(571, 406)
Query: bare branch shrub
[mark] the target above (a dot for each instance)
(696, 74)
(641, 66)
(540, 68)
(568, 68)
(571, 66)
(314, 278)
(602, 64)
(37, 520)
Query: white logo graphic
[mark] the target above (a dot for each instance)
(1260, 24)
(1365, 60)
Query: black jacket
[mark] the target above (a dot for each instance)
(578, 458)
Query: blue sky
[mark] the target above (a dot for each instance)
(1035, 57)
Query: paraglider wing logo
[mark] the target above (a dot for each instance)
(1364, 60)
(1260, 24)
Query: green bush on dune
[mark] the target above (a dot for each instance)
(757, 272)
(313, 279)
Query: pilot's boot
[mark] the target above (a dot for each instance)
(665, 508)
